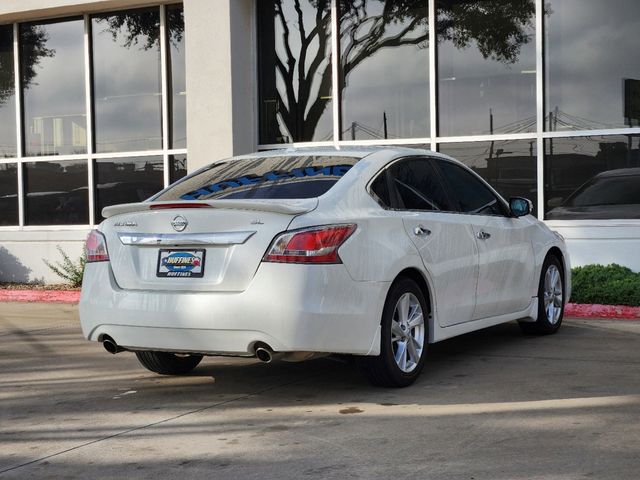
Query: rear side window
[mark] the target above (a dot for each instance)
(418, 185)
(472, 195)
(262, 178)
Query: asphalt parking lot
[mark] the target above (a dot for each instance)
(489, 405)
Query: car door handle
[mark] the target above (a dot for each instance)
(483, 235)
(421, 231)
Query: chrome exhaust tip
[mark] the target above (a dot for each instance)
(264, 354)
(111, 346)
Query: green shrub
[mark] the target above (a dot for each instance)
(608, 285)
(69, 270)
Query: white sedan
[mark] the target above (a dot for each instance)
(292, 254)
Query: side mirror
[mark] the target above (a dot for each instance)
(520, 206)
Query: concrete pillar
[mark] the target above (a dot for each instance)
(221, 79)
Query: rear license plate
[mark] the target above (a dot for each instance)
(181, 263)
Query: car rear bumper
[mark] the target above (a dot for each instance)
(312, 308)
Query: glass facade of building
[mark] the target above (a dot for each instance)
(537, 96)
(99, 116)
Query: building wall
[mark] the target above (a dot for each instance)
(222, 119)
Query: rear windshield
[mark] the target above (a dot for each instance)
(271, 177)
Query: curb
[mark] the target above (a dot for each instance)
(614, 312)
(44, 296)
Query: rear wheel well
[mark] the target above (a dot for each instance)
(415, 275)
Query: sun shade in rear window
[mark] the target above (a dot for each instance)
(271, 177)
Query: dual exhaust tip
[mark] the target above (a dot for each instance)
(111, 346)
(263, 351)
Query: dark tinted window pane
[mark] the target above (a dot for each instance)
(52, 63)
(7, 94)
(177, 167)
(127, 81)
(592, 178)
(418, 186)
(56, 193)
(510, 166)
(380, 188)
(385, 69)
(178, 117)
(8, 194)
(486, 66)
(294, 53)
(591, 51)
(470, 193)
(272, 177)
(126, 180)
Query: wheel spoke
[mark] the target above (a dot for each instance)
(414, 350)
(416, 319)
(403, 308)
(396, 331)
(401, 355)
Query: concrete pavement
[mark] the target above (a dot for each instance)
(489, 405)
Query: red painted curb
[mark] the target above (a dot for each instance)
(46, 296)
(619, 312)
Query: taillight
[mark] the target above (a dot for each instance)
(311, 245)
(96, 247)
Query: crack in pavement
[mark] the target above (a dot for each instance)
(159, 422)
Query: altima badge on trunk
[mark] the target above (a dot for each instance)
(179, 223)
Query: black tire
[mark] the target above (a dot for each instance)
(544, 325)
(383, 370)
(168, 363)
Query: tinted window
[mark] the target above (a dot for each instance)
(56, 193)
(177, 167)
(7, 94)
(418, 185)
(486, 66)
(126, 180)
(8, 194)
(294, 54)
(176, 61)
(271, 177)
(471, 194)
(384, 69)
(380, 188)
(126, 71)
(510, 166)
(592, 177)
(52, 60)
(593, 76)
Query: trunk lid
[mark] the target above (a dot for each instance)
(233, 236)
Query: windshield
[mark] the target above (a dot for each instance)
(271, 177)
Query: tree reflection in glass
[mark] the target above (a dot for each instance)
(385, 69)
(383, 60)
(7, 94)
(486, 66)
(55, 120)
(127, 81)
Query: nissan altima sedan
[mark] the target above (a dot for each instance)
(298, 253)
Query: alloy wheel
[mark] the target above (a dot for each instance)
(553, 294)
(407, 332)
